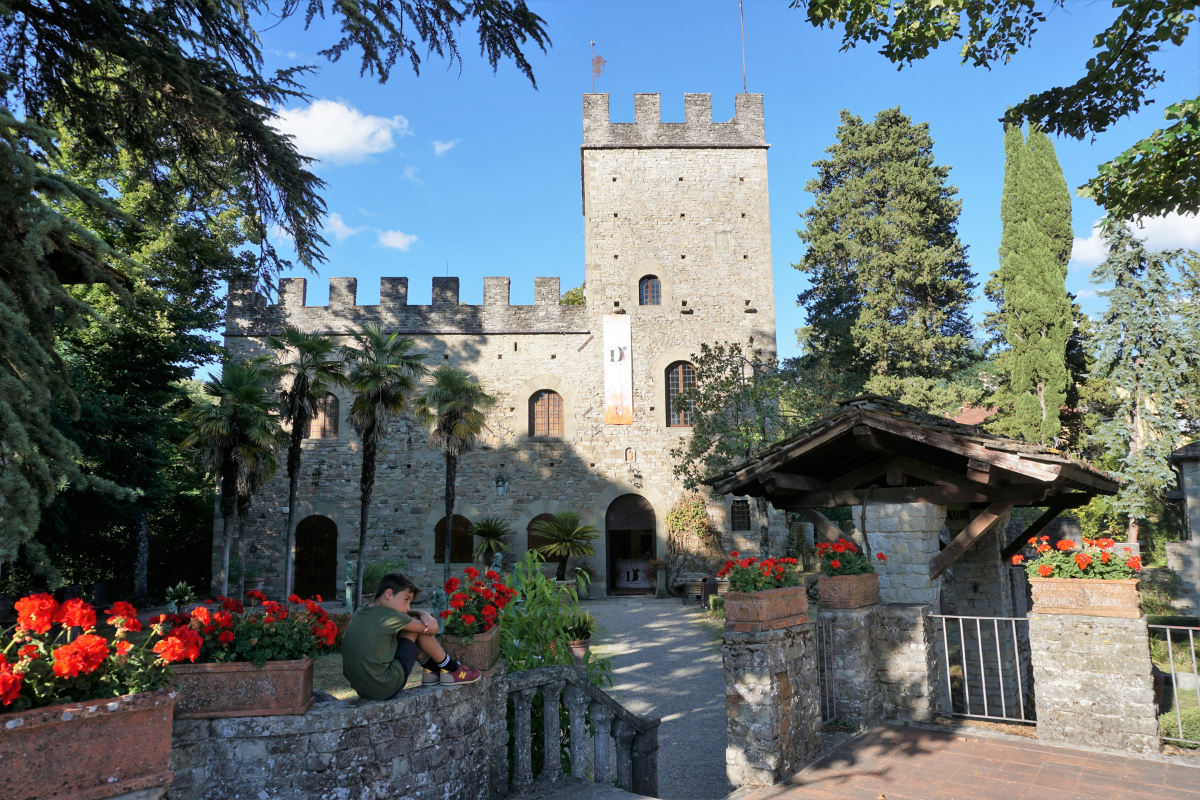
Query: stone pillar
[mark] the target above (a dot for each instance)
(772, 715)
(908, 534)
(1184, 560)
(910, 680)
(1092, 682)
(856, 688)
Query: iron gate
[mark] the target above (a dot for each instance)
(988, 673)
(825, 673)
(1173, 650)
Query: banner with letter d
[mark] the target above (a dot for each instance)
(618, 370)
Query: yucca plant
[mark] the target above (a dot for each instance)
(566, 537)
(492, 530)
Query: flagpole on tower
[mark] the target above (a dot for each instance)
(742, 16)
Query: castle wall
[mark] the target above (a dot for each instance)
(688, 205)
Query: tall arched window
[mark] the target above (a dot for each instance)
(461, 541)
(535, 540)
(546, 414)
(681, 376)
(324, 422)
(649, 291)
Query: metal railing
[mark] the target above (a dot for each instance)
(1181, 657)
(827, 685)
(987, 661)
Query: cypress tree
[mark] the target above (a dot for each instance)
(890, 283)
(1035, 318)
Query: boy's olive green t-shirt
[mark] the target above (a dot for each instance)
(369, 651)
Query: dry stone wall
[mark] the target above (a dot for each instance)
(686, 202)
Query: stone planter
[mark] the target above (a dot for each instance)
(1086, 597)
(481, 653)
(579, 650)
(240, 689)
(848, 591)
(767, 610)
(90, 750)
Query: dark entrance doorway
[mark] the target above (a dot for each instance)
(629, 527)
(316, 558)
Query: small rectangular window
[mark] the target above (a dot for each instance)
(739, 513)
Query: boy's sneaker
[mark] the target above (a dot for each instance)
(429, 678)
(460, 676)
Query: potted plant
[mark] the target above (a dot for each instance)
(374, 573)
(68, 693)
(566, 538)
(492, 531)
(1096, 579)
(179, 596)
(471, 633)
(763, 596)
(252, 662)
(848, 578)
(659, 567)
(580, 627)
(254, 580)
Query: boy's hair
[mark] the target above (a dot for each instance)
(397, 583)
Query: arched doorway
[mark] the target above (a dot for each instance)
(316, 557)
(461, 541)
(629, 527)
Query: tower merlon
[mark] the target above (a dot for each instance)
(746, 129)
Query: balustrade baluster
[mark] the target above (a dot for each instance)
(552, 766)
(577, 702)
(645, 762)
(601, 718)
(523, 744)
(622, 733)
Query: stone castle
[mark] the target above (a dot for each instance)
(678, 253)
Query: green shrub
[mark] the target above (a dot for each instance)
(377, 569)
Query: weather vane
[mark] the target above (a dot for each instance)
(598, 63)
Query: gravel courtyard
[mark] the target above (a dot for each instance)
(666, 661)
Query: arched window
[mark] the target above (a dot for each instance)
(324, 422)
(461, 541)
(649, 291)
(534, 540)
(546, 414)
(681, 376)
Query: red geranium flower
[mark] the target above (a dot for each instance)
(491, 575)
(10, 682)
(28, 651)
(734, 553)
(451, 586)
(229, 604)
(1082, 560)
(80, 657)
(225, 637)
(179, 644)
(36, 612)
(835, 563)
(294, 598)
(1065, 545)
(488, 611)
(123, 617)
(123, 648)
(1105, 558)
(468, 619)
(1135, 563)
(1017, 559)
(1045, 570)
(255, 595)
(471, 573)
(201, 614)
(881, 557)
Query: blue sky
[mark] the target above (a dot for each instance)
(478, 174)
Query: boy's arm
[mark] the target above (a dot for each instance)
(427, 621)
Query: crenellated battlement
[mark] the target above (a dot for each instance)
(746, 129)
(249, 313)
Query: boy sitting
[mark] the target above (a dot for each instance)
(384, 639)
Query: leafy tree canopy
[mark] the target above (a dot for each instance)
(1155, 176)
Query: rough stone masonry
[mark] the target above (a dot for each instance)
(686, 203)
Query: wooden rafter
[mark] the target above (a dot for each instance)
(1036, 528)
(825, 528)
(786, 482)
(954, 551)
(941, 495)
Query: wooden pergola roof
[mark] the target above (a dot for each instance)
(875, 449)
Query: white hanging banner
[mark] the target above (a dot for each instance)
(618, 370)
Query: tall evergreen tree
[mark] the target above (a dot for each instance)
(889, 279)
(1146, 351)
(1035, 316)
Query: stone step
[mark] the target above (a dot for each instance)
(570, 789)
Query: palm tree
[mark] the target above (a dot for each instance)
(314, 373)
(233, 414)
(492, 530)
(383, 375)
(565, 538)
(256, 464)
(456, 408)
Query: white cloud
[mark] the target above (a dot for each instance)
(396, 239)
(1083, 294)
(1161, 233)
(339, 133)
(410, 173)
(340, 230)
(440, 148)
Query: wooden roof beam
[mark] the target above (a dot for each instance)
(958, 546)
(784, 482)
(939, 495)
(1037, 527)
(825, 528)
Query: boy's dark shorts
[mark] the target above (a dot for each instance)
(406, 654)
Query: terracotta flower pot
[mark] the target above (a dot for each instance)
(481, 653)
(90, 750)
(212, 691)
(1086, 596)
(848, 591)
(767, 610)
(579, 649)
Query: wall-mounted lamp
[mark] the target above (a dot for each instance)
(501, 485)
(253, 549)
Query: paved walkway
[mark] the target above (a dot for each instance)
(667, 665)
(901, 763)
